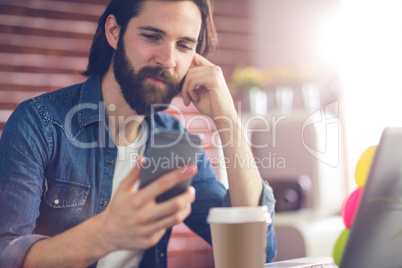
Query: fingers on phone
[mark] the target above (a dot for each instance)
(170, 212)
(161, 224)
(178, 208)
(167, 181)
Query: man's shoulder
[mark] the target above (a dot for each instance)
(56, 104)
(87, 90)
(46, 107)
(59, 96)
(60, 102)
(76, 102)
(51, 101)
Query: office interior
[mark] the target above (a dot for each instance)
(330, 82)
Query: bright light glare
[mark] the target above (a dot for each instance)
(363, 42)
(328, 44)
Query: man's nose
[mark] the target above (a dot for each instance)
(166, 56)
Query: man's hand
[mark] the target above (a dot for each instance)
(133, 219)
(206, 87)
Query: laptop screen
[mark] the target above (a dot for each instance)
(375, 239)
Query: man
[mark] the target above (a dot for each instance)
(68, 198)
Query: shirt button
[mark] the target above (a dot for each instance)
(56, 202)
(103, 204)
(110, 161)
(161, 254)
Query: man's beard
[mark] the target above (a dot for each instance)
(144, 98)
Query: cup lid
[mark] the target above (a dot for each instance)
(239, 214)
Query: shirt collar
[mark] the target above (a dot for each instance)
(91, 102)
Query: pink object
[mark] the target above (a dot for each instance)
(350, 206)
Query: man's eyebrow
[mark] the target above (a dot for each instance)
(157, 30)
(151, 28)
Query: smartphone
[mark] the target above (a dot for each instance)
(167, 151)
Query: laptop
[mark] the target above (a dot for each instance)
(375, 238)
(313, 262)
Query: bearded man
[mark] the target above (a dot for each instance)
(68, 195)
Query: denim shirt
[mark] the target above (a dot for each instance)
(57, 161)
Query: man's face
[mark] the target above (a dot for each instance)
(155, 53)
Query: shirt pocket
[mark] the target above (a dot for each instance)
(61, 193)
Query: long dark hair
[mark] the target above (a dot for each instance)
(101, 52)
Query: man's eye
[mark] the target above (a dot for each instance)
(184, 47)
(150, 37)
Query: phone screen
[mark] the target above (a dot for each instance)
(169, 150)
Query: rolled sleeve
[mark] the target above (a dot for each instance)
(14, 251)
(268, 199)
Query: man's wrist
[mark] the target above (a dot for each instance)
(100, 238)
(225, 122)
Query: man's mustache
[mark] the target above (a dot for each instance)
(161, 73)
(157, 72)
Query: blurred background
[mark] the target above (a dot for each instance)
(316, 80)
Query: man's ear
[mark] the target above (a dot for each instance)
(112, 31)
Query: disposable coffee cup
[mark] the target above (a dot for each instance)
(239, 236)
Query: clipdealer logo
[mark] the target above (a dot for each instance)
(326, 122)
